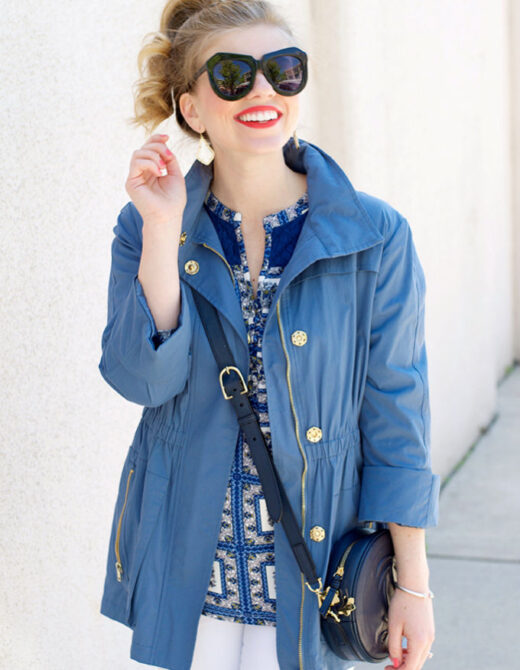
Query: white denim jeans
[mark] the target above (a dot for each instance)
(228, 645)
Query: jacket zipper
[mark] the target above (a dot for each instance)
(225, 261)
(300, 653)
(119, 567)
(288, 373)
(341, 566)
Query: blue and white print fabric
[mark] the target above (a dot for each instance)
(242, 585)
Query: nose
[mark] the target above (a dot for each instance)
(261, 85)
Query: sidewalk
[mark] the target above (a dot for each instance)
(474, 552)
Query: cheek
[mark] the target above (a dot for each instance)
(293, 111)
(215, 110)
(222, 113)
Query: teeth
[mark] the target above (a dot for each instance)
(259, 116)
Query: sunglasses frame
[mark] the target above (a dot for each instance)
(255, 65)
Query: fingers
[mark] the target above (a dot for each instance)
(426, 654)
(419, 643)
(416, 655)
(155, 156)
(395, 633)
(159, 148)
(398, 664)
(159, 143)
(142, 164)
(153, 152)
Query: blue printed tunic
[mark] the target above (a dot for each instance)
(242, 586)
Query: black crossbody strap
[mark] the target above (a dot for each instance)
(235, 389)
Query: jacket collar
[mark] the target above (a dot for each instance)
(336, 225)
(336, 217)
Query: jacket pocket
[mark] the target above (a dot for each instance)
(150, 550)
(117, 544)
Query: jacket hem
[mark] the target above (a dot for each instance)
(112, 610)
(143, 654)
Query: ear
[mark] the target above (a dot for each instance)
(189, 112)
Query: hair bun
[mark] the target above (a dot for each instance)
(179, 12)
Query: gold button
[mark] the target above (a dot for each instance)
(191, 267)
(299, 338)
(182, 238)
(314, 434)
(317, 533)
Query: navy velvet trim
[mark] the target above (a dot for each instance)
(228, 237)
(283, 240)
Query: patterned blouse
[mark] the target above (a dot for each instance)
(242, 585)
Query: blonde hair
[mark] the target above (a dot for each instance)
(170, 57)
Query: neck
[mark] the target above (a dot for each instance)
(256, 185)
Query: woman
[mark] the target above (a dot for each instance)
(321, 296)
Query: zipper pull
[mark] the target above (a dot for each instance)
(119, 570)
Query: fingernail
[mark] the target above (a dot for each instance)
(162, 163)
(395, 661)
(168, 152)
(164, 136)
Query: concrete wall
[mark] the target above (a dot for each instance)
(417, 102)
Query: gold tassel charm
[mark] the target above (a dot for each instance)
(205, 153)
(295, 138)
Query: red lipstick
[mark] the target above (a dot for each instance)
(259, 124)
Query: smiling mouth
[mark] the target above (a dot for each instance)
(259, 121)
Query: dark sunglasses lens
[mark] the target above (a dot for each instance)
(286, 73)
(232, 77)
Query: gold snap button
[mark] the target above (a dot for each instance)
(299, 338)
(314, 434)
(182, 238)
(317, 533)
(191, 267)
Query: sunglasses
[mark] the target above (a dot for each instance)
(232, 76)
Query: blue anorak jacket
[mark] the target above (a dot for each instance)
(354, 285)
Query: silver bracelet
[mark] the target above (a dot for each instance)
(416, 593)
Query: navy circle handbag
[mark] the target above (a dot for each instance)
(360, 583)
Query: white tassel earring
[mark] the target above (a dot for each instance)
(205, 153)
(295, 138)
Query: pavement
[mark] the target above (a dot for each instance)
(474, 552)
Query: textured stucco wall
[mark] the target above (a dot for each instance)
(418, 112)
(424, 122)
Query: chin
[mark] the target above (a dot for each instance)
(265, 145)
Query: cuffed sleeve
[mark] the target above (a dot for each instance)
(140, 365)
(397, 482)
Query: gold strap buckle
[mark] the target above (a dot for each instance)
(227, 370)
(346, 609)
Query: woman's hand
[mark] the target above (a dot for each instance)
(412, 617)
(157, 198)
